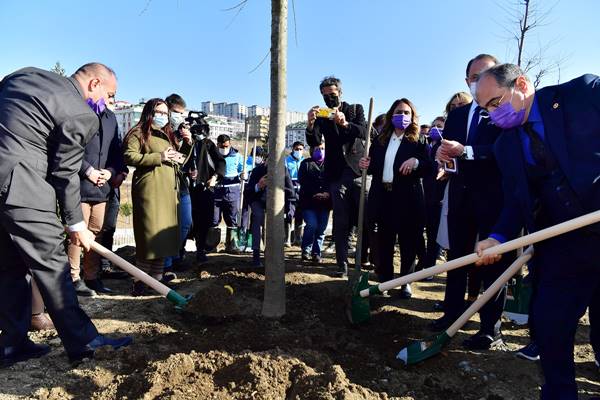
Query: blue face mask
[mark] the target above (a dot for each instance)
(160, 121)
(297, 154)
(176, 119)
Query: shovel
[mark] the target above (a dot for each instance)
(360, 301)
(171, 295)
(242, 232)
(422, 350)
(359, 280)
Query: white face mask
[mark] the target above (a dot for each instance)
(160, 121)
(224, 150)
(176, 119)
(473, 89)
(258, 160)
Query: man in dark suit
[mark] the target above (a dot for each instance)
(549, 154)
(102, 167)
(340, 131)
(474, 203)
(45, 124)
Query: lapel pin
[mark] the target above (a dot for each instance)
(555, 106)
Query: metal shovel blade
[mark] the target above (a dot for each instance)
(421, 350)
(360, 307)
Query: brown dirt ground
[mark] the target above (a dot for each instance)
(221, 348)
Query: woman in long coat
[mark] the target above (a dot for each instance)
(151, 147)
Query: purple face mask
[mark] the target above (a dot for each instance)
(435, 134)
(318, 155)
(401, 121)
(98, 107)
(506, 117)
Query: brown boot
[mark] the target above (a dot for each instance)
(40, 322)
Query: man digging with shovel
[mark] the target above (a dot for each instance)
(549, 155)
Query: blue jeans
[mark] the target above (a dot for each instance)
(314, 230)
(185, 223)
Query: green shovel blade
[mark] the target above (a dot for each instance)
(177, 299)
(421, 350)
(360, 308)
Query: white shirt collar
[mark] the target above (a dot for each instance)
(473, 106)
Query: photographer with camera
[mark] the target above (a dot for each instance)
(343, 128)
(176, 106)
(205, 164)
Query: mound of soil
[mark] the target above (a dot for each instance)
(261, 375)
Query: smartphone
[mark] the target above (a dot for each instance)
(451, 166)
(179, 157)
(326, 113)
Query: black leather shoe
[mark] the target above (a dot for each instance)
(441, 324)
(82, 290)
(139, 288)
(28, 349)
(96, 343)
(168, 277)
(405, 292)
(483, 341)
(97, 286)
(342, 271)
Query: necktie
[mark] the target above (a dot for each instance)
(473, 126)
(536, 145)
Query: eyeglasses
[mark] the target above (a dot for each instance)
(158, 112)
(493, 103)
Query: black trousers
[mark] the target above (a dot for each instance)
(456, 280)
(397, 228)
(203, 205)
(32, 240)
(110, 218)
(568, 282)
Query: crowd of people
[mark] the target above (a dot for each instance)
(502, 159)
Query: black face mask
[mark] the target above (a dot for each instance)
(331, 100)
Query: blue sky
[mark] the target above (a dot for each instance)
(382, 48)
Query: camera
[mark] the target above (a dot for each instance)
(197, 124)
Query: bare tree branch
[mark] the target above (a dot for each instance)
(522, 19)
(261, 62)
(145, 8)
(295, 25)
(240, 6)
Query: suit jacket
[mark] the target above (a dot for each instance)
(250, 193)
(44, 126)
(433, 188)
(339, 140)
(478, 178)
(103, 151)
(407, 190)
(571, 116)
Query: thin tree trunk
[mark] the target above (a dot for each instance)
(524, 29)
(274, 300)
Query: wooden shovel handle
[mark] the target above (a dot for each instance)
(490, 292)
(130, 269)
(511, 245)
